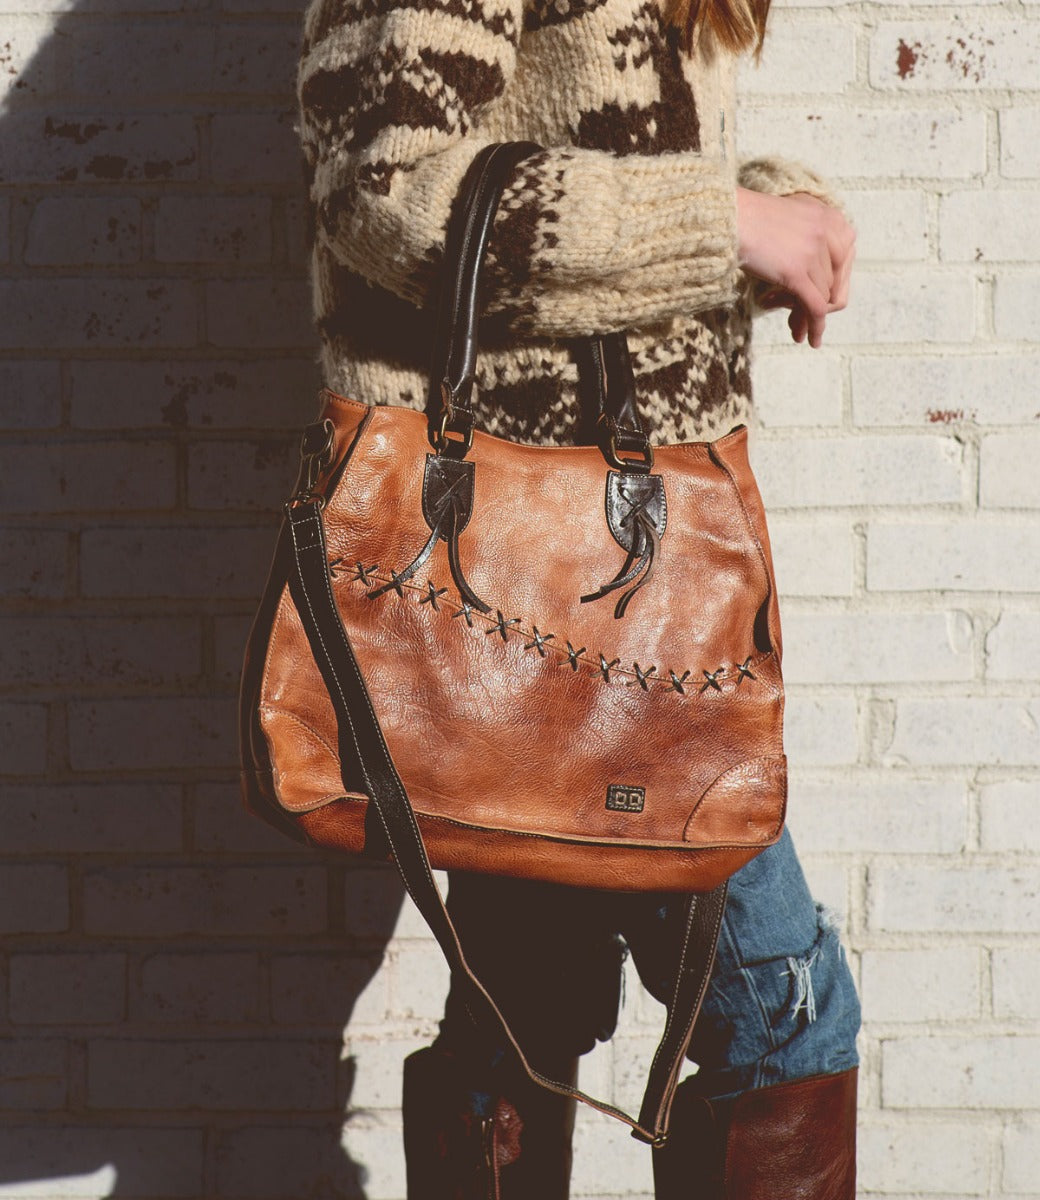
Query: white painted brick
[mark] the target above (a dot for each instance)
(269, 1162)
(33, 1073)
(923, 984)
(858, 142)
(379, 1062)
(67, 989)
(1016, 306)
(23, 727)
(90, 149)
(890, 225)
(964, 555)
(202, 988)
(374, 1140)
(213, 229)
(924, 1156)
(820, 731)
(812, 556)
(782, 67)
(25, 73)
(419, 981)
(877, 647)
(1020, 142)
(33, 899)
(796, 389)
(874, 811)
(965, 54)
(955, 899)
(329, 989)
(73, 230)
(911, 305)
(878, 470)
(30, 392)
(955, 1072)
(991, 389)
(957, 729)
(989, 226)
(609, 1162)
(596, 1069)
(1007, 469)
(284, 1075)
(1022, 1157)
(1016, 984)
(57, 1163)
(829, 883)
(1008, 815)
(222, 394)
(633, 1054)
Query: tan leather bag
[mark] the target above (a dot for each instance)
(520, 660)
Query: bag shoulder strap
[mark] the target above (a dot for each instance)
(361, 742)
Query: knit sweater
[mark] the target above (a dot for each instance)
(625, 221)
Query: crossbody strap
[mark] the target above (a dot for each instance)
(361, 742)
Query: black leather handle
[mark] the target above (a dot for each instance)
(452, 372)
(607, 385)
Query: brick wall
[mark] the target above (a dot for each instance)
(174, 980)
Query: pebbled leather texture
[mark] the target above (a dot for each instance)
(508, 728)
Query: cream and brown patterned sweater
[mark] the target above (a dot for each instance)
(627, 220)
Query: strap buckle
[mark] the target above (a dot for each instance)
(618, 440)
(456, 446)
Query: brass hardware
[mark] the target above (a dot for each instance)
(316, 451)
(453, 447)
(616, 435)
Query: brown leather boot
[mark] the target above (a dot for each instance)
(793, 1141)
(510, 1143)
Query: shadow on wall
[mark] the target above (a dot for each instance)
(177, 978)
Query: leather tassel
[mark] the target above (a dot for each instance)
(650, 557)
(640, 572)
(465, 591)
(446, 528)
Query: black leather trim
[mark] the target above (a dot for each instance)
(628, 495)
(447, 481)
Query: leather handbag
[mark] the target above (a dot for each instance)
(554, 663)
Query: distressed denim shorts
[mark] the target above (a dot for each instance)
(781, 1004)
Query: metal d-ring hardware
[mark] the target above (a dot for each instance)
(316, 449)
(453, 447)
(614, 443)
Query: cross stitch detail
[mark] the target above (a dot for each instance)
(546, 644)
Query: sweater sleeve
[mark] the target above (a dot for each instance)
(781, 177)
(391, 94)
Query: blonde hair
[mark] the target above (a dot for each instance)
(708, 25)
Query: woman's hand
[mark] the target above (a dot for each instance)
(802, 246)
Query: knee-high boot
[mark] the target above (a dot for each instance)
(792, 1141)
(470, 1139)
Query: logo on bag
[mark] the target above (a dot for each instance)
(622, 798)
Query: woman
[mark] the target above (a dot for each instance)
(636, 216)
